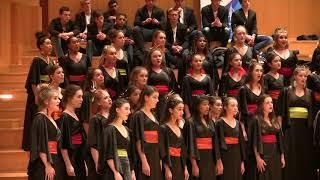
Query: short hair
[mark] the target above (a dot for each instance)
(122, 14)
(112, 2)
(63, 8)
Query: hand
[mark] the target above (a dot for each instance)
(186, 174)
(217, 22)
(117, 176)
(242, 168)
(168, 174)
(195, 171)
(112, 18)
(145, 168)
(70, 171)
(133, 175)
(83, 35)
(261, 164)
(179, 48)
(219, 167)
(147, 21)
(50, 173)
(283, 161)
(155, 21)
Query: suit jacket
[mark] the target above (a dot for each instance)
(81, 20)
(250, 23)
(142, 14)
(181, 35)
(207, 16)
(55, 27)
(93, 31)
(127, 30)
(189, 19)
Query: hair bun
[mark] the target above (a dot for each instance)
(40, 35)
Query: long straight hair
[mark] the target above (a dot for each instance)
(113, 115)
(260, 113)
(147, 91)
(250, 75)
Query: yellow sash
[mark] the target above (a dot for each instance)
(122, 153)
(298, 112)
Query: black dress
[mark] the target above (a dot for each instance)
(268, 140)
(38, 73)
(115, 85)
(123, 68)
(75, 72)
(232, 149)
(229, 87)
(95, 135)
(85, 112)
(74, 140)
(165, 82)
(287, 67)
(192, 87)
(147, 132)
(273, 88)
(202, 144)
(45, 138)
(173, 151)
(297, 125)
(117, 147)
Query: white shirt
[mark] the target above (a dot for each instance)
(215, 14)
(181, 20)
(174, 31)
(88, 17)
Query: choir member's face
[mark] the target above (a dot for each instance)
(58, 76)
(301, 78)
(152, 100)
(267, 105)
(156, 58)
(46, 47)
(54, 101)
(215, 3)
(76, 100)
(123, 111)
(119, 40)
(177, 112)
(149, 3)
(201, 43)
(135, 96)
(217, 107)
(283, 40)
(173, 16)
(245, 4)
(160, 40)
(241, 34)
(113, 7)
(196, 62)
(74, 44)
(98, 77)
(99, 21)
(142, 78)
(111, 55)
(257, 73)
(65, 16)
(106, 100)
(236, 62)
(232, 107)
(86, 5)
(204, 107)
(275, 63)
(121, 20)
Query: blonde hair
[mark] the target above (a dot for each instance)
(44, 93)
(277, 32)
(105, 50)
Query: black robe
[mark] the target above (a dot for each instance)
(273, 88)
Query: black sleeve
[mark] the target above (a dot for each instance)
(254, 24)
(33, 75)
(164, 145)
(242, 98)
(283, 98)
(93, 132)
(137, 127)
(265, 83)
(281, 143)
(65, 128)
(256, 136)
(223, 86)
(224, 18)
(53, 27)
(205, 19)
(192, 21)
(316, 132)
(138, 18)
(220, 135)
(242, 143)
(190, 139)
(216, 144)
(211, 86)
(186, 91)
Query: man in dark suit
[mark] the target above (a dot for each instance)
(187, 16)
(147, 20)
(61, 29)
(215, 22)
(247, 17)
(111, 14)
(85, 17)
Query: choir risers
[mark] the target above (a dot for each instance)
(10, 138)
(13, 161)
(14, 176)
(8, 123)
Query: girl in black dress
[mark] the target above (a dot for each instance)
(45, 137)
(202, 143)
(195, 83)
(133, 96)
(73, 143)
(273, 80)
(139, 77)
(97, 122)
(75, 64)
(161, 78)
(38, 73)
(233, 78)
(173, 150)
(215, 103)
(288, 58)
(268, 145)
(118, 40)
(296, 106)
(115, 161)
(231, 141)
(113, 81)
(145, 136)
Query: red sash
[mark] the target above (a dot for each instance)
(316, 96)
(76, 139)
(197, 92)
(112, 92)
(233, 92)
(176, 152)
(77, 78)
(53, 147)
(162, 89)
(231, 140)
(251, 108)
(286, 71)
(151, 137)
(269, 138)
(274, 94)
(204, 143)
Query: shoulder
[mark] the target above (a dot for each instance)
(206, 8)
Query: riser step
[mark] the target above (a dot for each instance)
(10, 138)
(11, 123)
(13, 161)
(12, 113)
(14, 176)
(13, 104)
